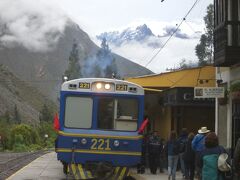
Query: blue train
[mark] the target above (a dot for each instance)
(99, 122)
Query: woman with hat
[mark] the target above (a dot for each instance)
(198, 145)
(209, 158)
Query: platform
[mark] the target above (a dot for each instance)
(43, 168)
(47, 167)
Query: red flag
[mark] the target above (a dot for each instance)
(143, 125)
(56, 122)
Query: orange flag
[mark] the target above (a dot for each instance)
(56, 123)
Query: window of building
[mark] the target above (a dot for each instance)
(78, 112)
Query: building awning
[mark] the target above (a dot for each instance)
(194, 77)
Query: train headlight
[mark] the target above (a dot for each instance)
(99, 85)
(116, 143)
(107, 86)
(84, 141)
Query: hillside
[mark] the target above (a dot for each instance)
(14, 92)
(44, 70)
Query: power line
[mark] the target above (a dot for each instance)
(183, 19)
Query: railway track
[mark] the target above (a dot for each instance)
(12, 162)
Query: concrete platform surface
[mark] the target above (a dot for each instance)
(47, 167)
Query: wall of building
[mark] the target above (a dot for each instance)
(222, 124)
(224, 114)
(165, 118)
(195, 117)
(159, 116)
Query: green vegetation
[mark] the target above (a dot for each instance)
(204, 50)
(19, 137)
(106, 60)
(74, 69)
(235, 87)
(101, 65)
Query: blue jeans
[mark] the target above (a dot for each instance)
(182, 164)
(172, 166)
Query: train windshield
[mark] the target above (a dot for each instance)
(78, 112)
(117, 114)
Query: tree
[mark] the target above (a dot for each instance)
(45, 114)
(106, 60)
(201, 50)
(74, 69)
(16, 117)
(204, 50)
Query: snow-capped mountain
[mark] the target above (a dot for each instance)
(139, 34)
(141, 43)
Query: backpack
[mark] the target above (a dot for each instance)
(182, 146)
(210, 168)
(175, 148)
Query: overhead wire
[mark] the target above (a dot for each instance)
(183, 19)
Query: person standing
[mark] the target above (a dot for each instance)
(198, 145)
(173, 153)
(162, 156)
(236, 160)
(189, 158)
(141, 166)
(209, 158)
(154, 150)
(182, 142)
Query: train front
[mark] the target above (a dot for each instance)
(99, 121)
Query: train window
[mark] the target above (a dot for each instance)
(78, 112)
(117, 114)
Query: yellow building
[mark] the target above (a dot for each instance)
(170, 103)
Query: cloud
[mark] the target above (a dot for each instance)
(169, 57)
(181, 46)
(192, 28)
(36, 25)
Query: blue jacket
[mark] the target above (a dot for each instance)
(172, 147)
(198, 142)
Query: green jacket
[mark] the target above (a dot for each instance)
(210, 168)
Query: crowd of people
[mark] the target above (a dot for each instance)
(196, 156)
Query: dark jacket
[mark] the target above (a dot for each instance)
(189, 154)
(236, 158)
(182, 142)
(172, 147)
(154, 145)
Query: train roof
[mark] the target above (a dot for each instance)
(87, 85)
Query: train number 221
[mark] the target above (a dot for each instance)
(101, 144)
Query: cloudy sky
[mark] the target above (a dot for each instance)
(29, 22)
(97, 16)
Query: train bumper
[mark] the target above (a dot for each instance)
(97, 171)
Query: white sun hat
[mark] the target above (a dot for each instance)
(203, 130)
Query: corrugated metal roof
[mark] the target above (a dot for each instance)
(194, 77)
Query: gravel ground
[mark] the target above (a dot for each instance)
(12, 162)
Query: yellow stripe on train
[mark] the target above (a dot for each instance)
(129, 153)
(100, 136)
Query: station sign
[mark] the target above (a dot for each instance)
(209, 92)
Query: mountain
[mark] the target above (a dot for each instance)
(44, 69)
(143, 34)
(139, 34)
(17, 94)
